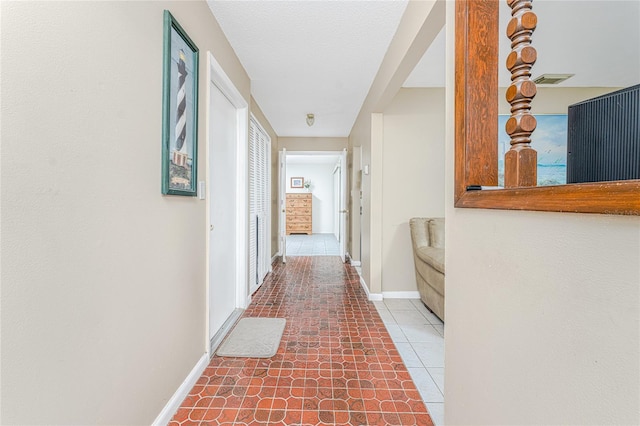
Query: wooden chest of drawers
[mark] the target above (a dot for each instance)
(298, 207)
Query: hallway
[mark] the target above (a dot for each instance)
(336, 363)
(313, 245)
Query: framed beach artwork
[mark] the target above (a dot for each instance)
(297, 182)
(549, 140)
(179, 110)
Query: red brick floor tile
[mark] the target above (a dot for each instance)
(357, 418)
(197, 414)
(212, 414)
(246, 415)
(375, 418)
(423, 420)
(391, 418)
(293, 417)
(262, 415)
(310, 418)
(182, 414)
(336, 363)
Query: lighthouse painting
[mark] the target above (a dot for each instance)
(180, 107)
(180, 154)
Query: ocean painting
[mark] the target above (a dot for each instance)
(549, 140)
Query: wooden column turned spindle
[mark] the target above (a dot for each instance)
(521, 160)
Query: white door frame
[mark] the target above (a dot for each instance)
(342, 210)
(336, 199)
(282, 215)
(282, 189)
(217, 76)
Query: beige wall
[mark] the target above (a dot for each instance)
(311, 144)
(413, 185)
(257, 112)
(103, 278)
(413, 182)
(419, 26)
(360, 138)
(542, 312)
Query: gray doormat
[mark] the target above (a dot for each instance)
(253, 338)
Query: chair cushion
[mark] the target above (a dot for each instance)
(436, 232)
(419, 231)
(432, 256)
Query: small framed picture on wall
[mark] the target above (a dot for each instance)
(297, 182)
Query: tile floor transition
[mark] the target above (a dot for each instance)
(419, 336)
(336, 364)
(312, 245)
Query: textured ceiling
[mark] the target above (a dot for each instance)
(315, 57)
(321, 56)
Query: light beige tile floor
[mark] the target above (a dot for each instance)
(312, 245)
(419, 336)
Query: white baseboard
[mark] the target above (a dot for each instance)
(226, 327)
(273, 259)
(370, 296)
(356, 263)
(401, 294)
(174, 402)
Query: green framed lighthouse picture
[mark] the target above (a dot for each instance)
(179, 111)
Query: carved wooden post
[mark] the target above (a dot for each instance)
(521, 160)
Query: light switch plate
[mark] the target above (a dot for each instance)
(201, 190)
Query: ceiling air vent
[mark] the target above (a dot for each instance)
(552, 78)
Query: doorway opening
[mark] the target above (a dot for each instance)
(313, 188)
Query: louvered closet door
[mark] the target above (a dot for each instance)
(253, 208)
(259, 204)
(261, 199)
(266, 206)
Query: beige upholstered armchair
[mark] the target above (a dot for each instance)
(427, 236)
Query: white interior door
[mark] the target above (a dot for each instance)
(343, 205)
(222, 212)
(282, 194)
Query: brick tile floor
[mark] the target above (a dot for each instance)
(336, 363)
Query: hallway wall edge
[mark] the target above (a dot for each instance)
(181, 393)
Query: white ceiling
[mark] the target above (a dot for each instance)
(312, 159)
(598, 41)
(321, 56)
(315, 57)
